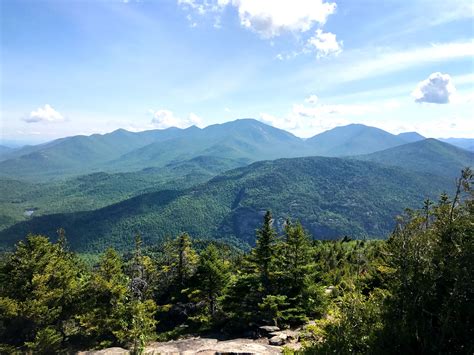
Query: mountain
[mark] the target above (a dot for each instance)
(464, 143)
(19, 200)
(76, 155)
(243, 140)
(332, 197)
(411, 137)
(4, 149)
(353, 139)
(429, 156)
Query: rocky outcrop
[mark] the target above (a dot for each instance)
(202, 346)
(205, 346)
(108, 351)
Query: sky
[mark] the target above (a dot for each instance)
(73, 67)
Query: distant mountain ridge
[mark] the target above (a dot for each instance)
(243, 141)
(427, 156)
(411, 137)
(464, 143)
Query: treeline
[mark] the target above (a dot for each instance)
(411, 294)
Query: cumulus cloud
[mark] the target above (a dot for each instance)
(269, 18)
(164, 119)
(325, 44)
(44, 114)
(272, 18)
(437, 89)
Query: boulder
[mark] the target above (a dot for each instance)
(290, 336)
(267, 329)
(278, 340)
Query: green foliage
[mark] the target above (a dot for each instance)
(428, 156)
(432, 252)
(211, 276)
(264, 251)
(272, 307)
(47, 340)
(41, 285)
(410, 294)
(108, 290)
(330, 197)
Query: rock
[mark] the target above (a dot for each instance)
(290, 336)
(277, 340)
(205, 346)
(267, 329)
(108, 351)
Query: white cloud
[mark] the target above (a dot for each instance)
(269, 18)
(437, 89)
(272, 18)
(325, 44)
(44, 114)
(311, 99)
(164, 119)
(372, 62)
(203, 7)
(386, 61)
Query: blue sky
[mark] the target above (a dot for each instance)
(81, 67)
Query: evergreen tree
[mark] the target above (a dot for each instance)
(264, 252)
(186, 259)
(40, 288)
(106, 305)
(212, 275)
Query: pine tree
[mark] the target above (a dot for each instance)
(105, 308)
(212, 275)
(186, 259)
(41, 284)
(264, 252)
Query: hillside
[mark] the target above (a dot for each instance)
(353, 139)
(19, 200)
(332, 197)
(464, 143)
(428, 156)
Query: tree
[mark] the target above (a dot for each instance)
(297, 275)
(264, 252)
(186, 259)
(105, 307)
(41, 284)
(430, 310)
(212, 275)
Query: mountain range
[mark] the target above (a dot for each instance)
(243, 141)
(216, 182)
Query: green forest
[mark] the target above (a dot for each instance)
(410, 294)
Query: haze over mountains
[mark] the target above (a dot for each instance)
(105, 188)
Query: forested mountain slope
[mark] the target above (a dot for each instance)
(353, 139)
(429, 156)
(332, 197)
(19, 199)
